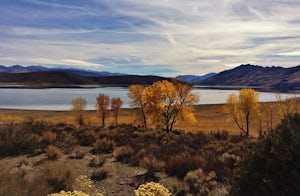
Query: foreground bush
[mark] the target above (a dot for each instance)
(16, 139)
(60, 175)
(152, 189)
(53, 152)
(104, 145)
(273, 166)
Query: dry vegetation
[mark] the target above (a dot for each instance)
(48, 148)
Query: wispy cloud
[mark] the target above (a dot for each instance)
(139, 36)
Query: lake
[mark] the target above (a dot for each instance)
(60, 98)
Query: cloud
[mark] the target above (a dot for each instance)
(293, 53)
(184, 36)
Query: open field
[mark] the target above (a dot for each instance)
(44, 152)
(209, 118)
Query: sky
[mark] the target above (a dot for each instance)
(158, 37)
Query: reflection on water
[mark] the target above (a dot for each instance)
(60, 98)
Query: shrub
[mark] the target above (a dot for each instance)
(87, 138)
(99, 174)
(14, 140)
(179, 164)
(53, 152)
(152, 164)
(60, 175)
(123, 153)
(152, 189)
(16, 183)
(272, 167)
(201, 182)
(48, 138)
(104, 145)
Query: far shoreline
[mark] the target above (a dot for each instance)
(92, 86)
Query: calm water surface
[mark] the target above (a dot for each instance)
(60, 98)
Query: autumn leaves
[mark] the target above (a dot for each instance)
(164, 102)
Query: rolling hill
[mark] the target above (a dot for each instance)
(194, 79)
(268, 78)
(60, 78)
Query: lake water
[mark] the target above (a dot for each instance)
(60, 98)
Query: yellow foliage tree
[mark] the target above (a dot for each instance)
(116, 105)
(169, 102)
(243, 108)
(135, 94)
(286, 106)
(102, 106)
(79, 104)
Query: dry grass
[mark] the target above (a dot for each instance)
(209, 118)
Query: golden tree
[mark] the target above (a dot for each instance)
(286, 106)
(102, 106)
(135, 94)
(79, 104)
(116, 106)
(169, 102)
(243, 108)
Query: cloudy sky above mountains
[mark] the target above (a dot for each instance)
(161, 37)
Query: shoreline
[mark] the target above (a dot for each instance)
(92, 86)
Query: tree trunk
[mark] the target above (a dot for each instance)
(247, 125)
(144, 117)
(116, 116)
(103, 120)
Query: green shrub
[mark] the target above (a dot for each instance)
(272, 167)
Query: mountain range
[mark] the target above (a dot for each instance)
(266, 78)
(194, 79)
(46, 77)
(80, 72)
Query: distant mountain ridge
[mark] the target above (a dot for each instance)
(278, 78)
(80, 72)
(194, 79)
(61, 78)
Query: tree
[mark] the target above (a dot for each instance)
(243, 108)
(135, 94)
(286, 106)
(79, 104)
(102, 107)
(116, 105)
(272, 165)
(169, 102)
